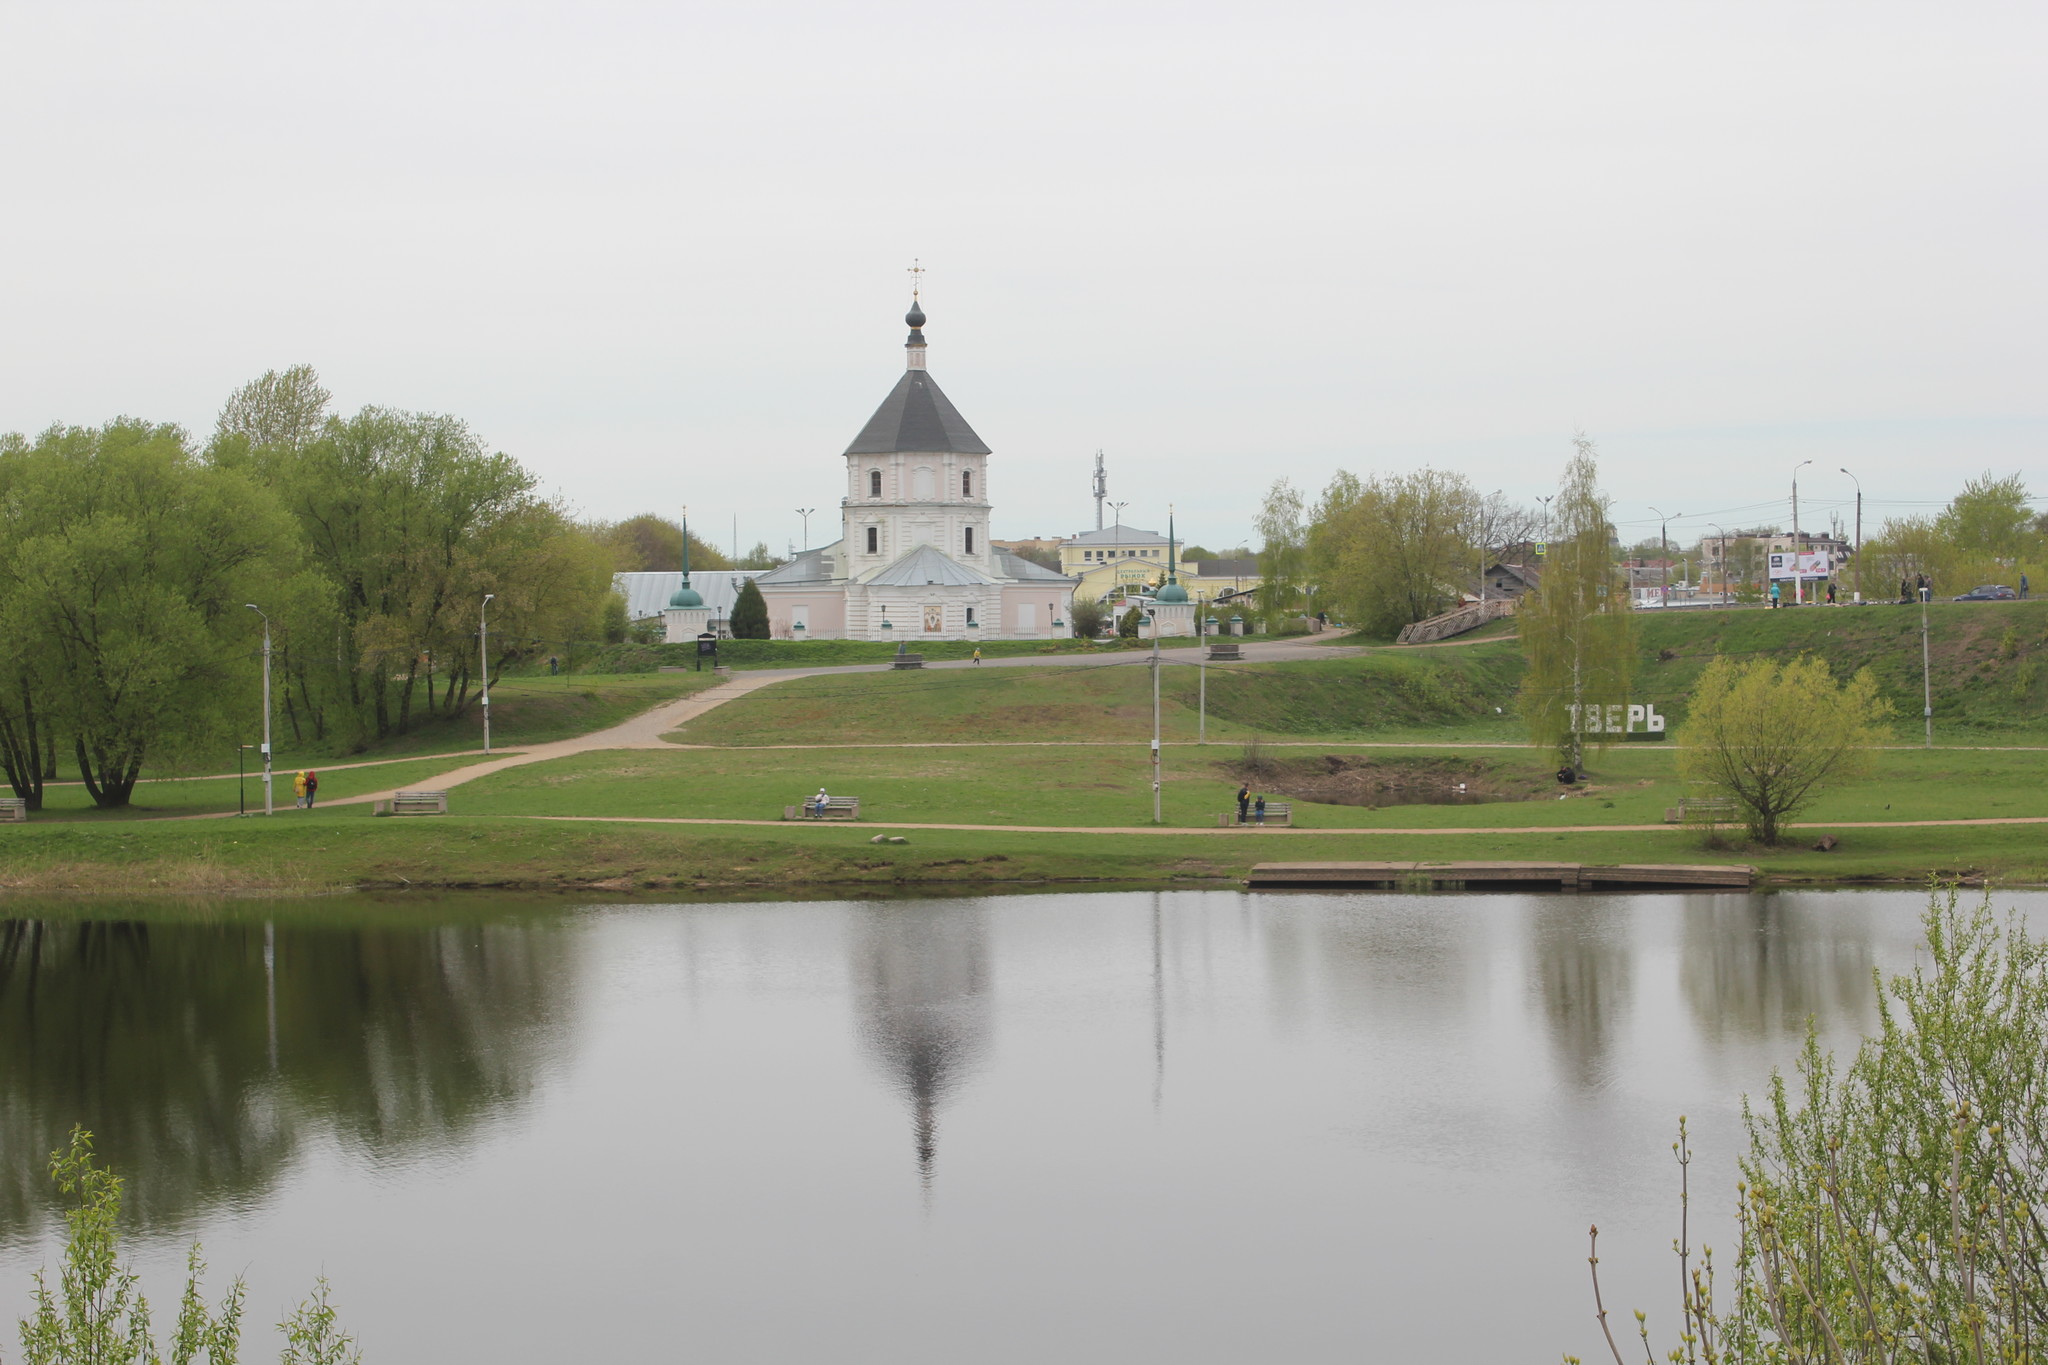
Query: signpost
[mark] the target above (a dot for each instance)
(707, 643)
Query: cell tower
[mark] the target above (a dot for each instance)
(1101, 488)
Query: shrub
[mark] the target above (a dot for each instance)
(749, 620)
(1127, 626)
(1891, 1210)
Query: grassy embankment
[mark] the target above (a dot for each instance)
(1350, 704)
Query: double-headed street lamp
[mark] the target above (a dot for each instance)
(483, 637)
(1664, 549)
(1859, 534)
(805, 513)
(269, 805)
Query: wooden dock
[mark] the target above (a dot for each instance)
(1518, 876)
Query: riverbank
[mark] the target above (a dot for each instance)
(303, 853)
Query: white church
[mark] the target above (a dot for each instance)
(913, 561)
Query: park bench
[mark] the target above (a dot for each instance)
(413, 803)
(13, 811)
(1701, 810)
(1225, 652)
(836, 808)
(1277, 813)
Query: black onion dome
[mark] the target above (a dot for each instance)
(915, 317)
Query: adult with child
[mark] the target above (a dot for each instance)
(1244, 802)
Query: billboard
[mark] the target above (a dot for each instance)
(1801, 564)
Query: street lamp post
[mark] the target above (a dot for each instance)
(483, 652)
(1859, 534)
(1798, 583)
(1155, 718)
(805, 513)
(1664, 550)
(1724, 562)
(269, 804)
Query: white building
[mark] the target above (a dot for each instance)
(914, 561)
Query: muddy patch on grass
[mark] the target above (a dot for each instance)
(1361, 780)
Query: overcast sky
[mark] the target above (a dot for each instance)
(657, 252)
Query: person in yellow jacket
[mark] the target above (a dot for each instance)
(299, 786)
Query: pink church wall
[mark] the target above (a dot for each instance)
(823, 610)
(1054, 599)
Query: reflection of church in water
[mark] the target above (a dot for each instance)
(923, 980)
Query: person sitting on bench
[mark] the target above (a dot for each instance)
(818, 804)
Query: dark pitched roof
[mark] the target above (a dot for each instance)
(917, 416)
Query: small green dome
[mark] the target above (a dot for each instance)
(686, 596)
(1172, 592)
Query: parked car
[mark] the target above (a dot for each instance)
(1990, 592)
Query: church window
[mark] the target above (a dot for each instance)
(966, 483)
(970, 616)
(874, 535)
(970, 540)
(874, 488)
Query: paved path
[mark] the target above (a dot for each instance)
(1243, 830)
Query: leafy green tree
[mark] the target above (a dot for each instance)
(283, 410)
(128, 566)
(1284, 553)
(1088, 616)
(1130, 623)
(406, 521)
(1772, 735)
(652, 544)
(1577, 630)
(1395, 549)
(760, 557)
(749, 619)
(613, 621)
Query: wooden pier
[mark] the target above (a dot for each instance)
(1517, 876)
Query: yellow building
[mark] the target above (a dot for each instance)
(1094, 552)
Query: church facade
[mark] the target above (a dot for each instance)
(914, 561)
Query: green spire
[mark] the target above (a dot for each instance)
(686, 596)
(1173, 591)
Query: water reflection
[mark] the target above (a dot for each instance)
(1755, 966)
(204, 1056)
(1581, 970)
(921, 973)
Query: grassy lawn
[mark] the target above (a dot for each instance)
(1437, 694)
(1101, 786)
(533, 710)
(210, 795)
(328, 850)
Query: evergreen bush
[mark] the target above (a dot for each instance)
(749, 619)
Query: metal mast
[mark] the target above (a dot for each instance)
(1101, 488)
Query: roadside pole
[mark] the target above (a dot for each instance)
(1926, 676)
(1155, 719)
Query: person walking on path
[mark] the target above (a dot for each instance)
(299, 789)
(2023, 585)
(818, 804)
(1831, 592)
(977, 654)
(312, 787)
(1244, 802)
(1774, 593)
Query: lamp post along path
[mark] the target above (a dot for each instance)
(269, 801)
(483, 647)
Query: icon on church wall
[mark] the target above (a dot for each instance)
(934, 619)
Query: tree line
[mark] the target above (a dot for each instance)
(366, 541)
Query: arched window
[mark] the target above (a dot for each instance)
(966, 483)
(874, 485)
(874, 535)
(970, 540)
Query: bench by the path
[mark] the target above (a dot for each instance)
(1277, 813)
(413, 803)
(1701, 810)
(836, 808)
(13, 810)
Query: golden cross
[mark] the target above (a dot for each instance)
(914, 272)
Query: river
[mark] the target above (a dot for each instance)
(1198, 1126)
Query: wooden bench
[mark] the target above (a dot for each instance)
(13, 811)
(1277, 813)
(1701, 810)
(1225, 652)
(413, 803)
(836, 808)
